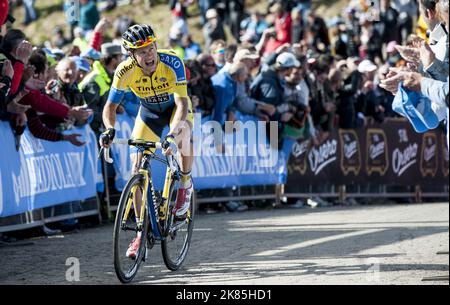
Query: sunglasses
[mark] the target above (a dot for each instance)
(220, 51)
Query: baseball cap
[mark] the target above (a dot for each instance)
(287, 60)
(211, 14)
(367, 66)
(416, 108)
(244, 54)
(58, 54)
(91, 53)
(82, 63)
(391, 46)
(111, 49)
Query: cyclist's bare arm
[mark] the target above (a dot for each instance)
(109, 116)
(180, 116)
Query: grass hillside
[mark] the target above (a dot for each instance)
(51, 15)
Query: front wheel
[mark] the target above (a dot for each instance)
(175, 245)
(126, 229)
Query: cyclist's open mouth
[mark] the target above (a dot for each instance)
(150, 63)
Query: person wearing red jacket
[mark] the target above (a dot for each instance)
(41, 102)
(283, 28)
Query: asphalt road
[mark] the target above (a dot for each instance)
(390, 244)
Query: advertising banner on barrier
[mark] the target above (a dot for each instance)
(247, 158)
(387, 154)
(43, 174)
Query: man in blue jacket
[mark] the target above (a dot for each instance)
(268, 87)
(225, 91)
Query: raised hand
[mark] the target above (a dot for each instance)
(410, 54)
(426, 55)
(73, 138)
(24, 51)
(8, 69)
(80, 113)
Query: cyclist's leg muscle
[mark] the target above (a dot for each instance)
(185, 145)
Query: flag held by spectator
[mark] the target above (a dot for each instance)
(416, 108)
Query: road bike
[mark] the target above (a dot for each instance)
(156, 222)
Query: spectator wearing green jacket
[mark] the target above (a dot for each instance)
(95, 86)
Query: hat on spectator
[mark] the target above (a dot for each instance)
(287, 60)
(4, 15)
(350, 10)
(391, 46)
(58, 54)
(82, 63)
(367, 66)
(211, 14)
(4, 8)
(416, 108)
(91, 53)
(51, 58)
(244, 54)
(111, 49)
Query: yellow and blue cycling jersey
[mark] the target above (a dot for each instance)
(156, 93)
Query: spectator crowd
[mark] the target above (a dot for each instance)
(285, 63)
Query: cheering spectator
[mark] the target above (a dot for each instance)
(388, 22)
(253, 27)
(95, 86)
(225, 86)
(268, 86)
(438, 35)
(407, 10)
(347, 93)
(6, 75)
(213, 29)
(30, 12)
(283, 28)
(205, 6)
(218, 52)
(89, 15)
(208, 70)
(65, 90)
(236, 14)
(191, 49)
(298, 28)
(244, 103)
(230, 52)
(369, 99)
(59, 41)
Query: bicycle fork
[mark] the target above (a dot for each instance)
(132, 201)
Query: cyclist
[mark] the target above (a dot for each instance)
(158, 79)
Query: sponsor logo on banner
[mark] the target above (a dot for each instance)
(444, 154)
(405, 155)
(377, 158)
(404, 159)
(299, 157)
(50, 171)
(428, 156)
(350, 152)
(320, 158)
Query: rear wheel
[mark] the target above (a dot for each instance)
(175, 245)
(126, 229)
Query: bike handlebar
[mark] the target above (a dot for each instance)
(138, 143)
